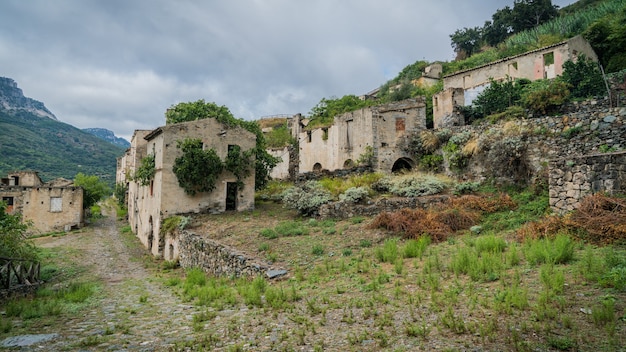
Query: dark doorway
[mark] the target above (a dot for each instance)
(150, 234)
(402, 164)
(231, 196)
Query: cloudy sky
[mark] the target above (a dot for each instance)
(119, 64)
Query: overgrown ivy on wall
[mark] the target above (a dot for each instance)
(198, 169)
(145, 172)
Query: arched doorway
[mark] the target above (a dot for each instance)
(402, 164)
(348, 164)
(317, 167)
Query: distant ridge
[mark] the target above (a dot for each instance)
(31, 138)
(108, 136)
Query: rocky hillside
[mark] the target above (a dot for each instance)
(13, 100)
(31, 138)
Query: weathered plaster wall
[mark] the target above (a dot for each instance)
(573, 178)
(381, 127)
(541, 63)
(150, 205)
(281, 171)
(34, 203)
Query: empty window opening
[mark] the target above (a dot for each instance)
(231, 196)
(9, 202)
(400, 124)
(56, 204)
(308, 136)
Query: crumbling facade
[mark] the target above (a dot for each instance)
(149, 205)
(371, 135)
(461, 88)
(53, 206)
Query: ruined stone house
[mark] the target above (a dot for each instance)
(373, 133)
(461, 88)
(149, 205)
(52, 206)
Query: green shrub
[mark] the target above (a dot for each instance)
(431, 162)
(571, 132)
(291, 228)
(354, 194)
(306, 198)
(317, 249)
(415, 185)
(466, 188)
(543, 96)
(584, 78)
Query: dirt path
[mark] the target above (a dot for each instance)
(136, 312)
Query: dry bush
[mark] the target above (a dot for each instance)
(470, 148)
(603, 218)
(457, 214)
(483, 204)
(547, 227)
(430, 141)
(600, 219)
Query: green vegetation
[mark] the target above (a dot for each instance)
(94, 189)
(53, 148)
(197, 170)
(509, 32)
(146, 170)
(13, 243)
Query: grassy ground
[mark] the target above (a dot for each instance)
(352, 287)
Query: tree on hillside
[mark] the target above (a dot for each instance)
(499, 28)
(93, 189)
(466, 41)
(197, 110)
(527, 14)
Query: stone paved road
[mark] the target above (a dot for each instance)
(136, 312)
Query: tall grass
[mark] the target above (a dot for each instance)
(559, 250)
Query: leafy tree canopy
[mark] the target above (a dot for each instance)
(198, 110)
(93, 188)
(324, 112)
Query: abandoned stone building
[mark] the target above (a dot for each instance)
(149, 205)
(52, 206)
(372, 133)
(461, 88)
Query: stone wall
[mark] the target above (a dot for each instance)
(217, 259)
(346, 210)
(573, 178)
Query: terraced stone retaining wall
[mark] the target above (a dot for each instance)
(219, 260)
(572, 178)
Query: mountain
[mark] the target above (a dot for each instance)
(12, 99)
(31, 138)
(108, 136)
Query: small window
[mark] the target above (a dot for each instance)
(548, 58)
(151, 187)
(8, 200)
(400, 124)
(308, 136)
(56, 204)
